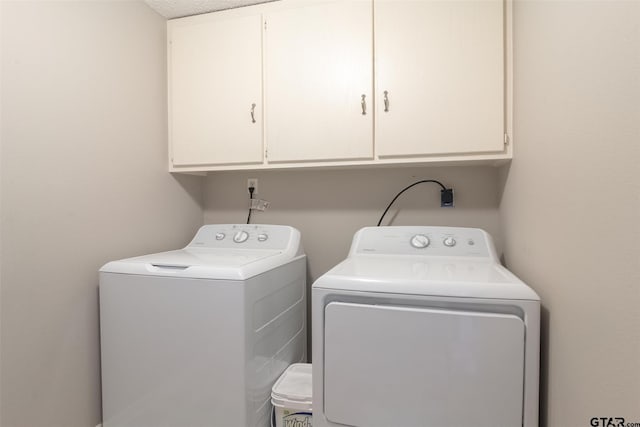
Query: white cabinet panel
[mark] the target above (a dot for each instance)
(442, 84)
(434, 367)
(442, 65)
(215, 74)
(318, 64)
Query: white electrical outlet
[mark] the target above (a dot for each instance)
(253, 182)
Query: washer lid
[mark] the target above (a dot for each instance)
(201, 263)
(220, 251)
(419, 275)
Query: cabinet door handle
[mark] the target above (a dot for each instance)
(363, 104)
(253, 110)
(386, 101)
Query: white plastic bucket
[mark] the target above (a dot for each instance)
(291, 397)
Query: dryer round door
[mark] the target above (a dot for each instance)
(390, 365)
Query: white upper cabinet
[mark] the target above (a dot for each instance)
(319, 82)
(215, 90)
(439, 77)
(341, 83)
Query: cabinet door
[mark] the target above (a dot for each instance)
(318, 67)
(215, 81)
(442, 66)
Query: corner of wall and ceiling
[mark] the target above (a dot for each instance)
(171, 9)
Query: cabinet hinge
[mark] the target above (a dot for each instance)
(265, 25)
(266, 153)
(506, 139)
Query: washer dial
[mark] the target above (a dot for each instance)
(240, 236)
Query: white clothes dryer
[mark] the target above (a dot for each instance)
(422, 326)
(197, 337)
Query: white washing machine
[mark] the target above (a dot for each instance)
(422, 326)
(197, 337)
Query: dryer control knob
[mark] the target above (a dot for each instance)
(219, 236)
(449, 241)
(240, 236)
(419, 241)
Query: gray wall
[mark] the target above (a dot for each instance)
(570, 211)
(329, 206)
(84, 181)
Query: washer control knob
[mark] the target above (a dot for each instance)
(419, 241)
(449, 241)
(240, 236)
(219, 236)
(262, 237)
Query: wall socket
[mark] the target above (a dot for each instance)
(253, 182)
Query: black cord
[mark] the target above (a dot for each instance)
(405, 189)
(251, 190)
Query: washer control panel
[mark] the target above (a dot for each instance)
(243, 236)
(432, 241)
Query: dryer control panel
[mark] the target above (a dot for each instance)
(246, 236)
(424, 240)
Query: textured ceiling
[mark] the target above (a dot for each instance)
(178, 8)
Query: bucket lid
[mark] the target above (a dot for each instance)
(294, 385)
